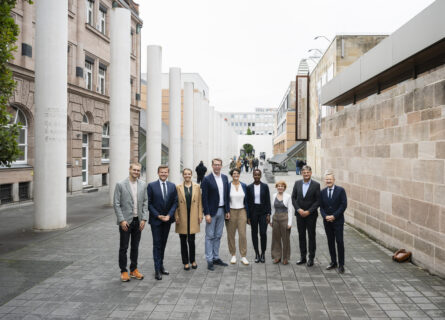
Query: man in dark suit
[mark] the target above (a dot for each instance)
(258, 202)
(306, 200)
(333, 203)
(162, 204)
(216, 205)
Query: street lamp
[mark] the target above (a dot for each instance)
(318, 37)
(318, 50)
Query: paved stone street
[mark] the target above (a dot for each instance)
(75, 275)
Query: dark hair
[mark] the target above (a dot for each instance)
(234, 170)
(261, 173)
(163, 166)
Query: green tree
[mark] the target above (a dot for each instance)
(9, 149)
(249, 132)
(248, 148)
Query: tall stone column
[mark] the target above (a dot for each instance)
(120, 96)
(187, 136)
(174, 128)
(197, 139)
(154, 111)
(50, 114)
(27, 32)
(205, 133)
(80, 54)
(211, 132)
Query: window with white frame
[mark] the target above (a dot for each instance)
(89, 7)
(101, 84)
(18, 117)
(102, 20)
(88, 75)
(106, 142)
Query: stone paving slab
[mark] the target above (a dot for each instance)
(88, 285)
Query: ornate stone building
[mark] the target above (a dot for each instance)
(88, 51)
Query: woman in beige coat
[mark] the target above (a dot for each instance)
(188, 217)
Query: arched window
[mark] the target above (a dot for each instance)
(18, 117)
(85, 118)
(106, 142)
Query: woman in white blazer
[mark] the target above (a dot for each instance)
(281, 222)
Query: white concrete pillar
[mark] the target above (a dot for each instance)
(197, 139)
(188, 127)
(80, 54)
(50, 114)
(120, 96)
(205, 133)
(174, 127)
(211, 132)
(154, 111)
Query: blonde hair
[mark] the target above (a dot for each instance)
(281, 183)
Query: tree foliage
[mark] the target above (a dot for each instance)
(249, 132)
(9, 30)
(248, 148)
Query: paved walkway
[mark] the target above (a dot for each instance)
(74, 275)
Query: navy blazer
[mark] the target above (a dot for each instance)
(244, 186)
(210, 194)
(157, 206)
(264, 199)
(336, 205)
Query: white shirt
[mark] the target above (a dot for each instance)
(162, 189)
(236, 197)
(287, 201)
(220, 185)
(134, 193)
(257, 190)
(332, 192)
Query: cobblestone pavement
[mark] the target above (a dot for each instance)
(75, 275)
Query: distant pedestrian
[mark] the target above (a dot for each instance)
(131, 208)
(188, 217)
(246, 165)
(200, 172)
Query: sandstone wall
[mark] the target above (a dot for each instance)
(388, 152)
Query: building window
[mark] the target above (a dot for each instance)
(5, 193)
(102, 20)
(133, 42)
(89, 7)
(88, 75)
(106, 143)
(23, 190)
(85, 118)
(102, 73)
(18, 117)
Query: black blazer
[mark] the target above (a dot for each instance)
(310, 202)
(157, 206)
(336, 205)
(264, 199)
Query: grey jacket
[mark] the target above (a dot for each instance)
(123, 201)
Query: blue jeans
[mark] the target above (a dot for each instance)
(214, 231)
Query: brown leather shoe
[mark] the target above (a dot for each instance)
(276, 261)
(285, 261)
(125, 277)
(136, 274)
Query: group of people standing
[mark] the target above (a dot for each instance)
(246, 163)
(233, 204)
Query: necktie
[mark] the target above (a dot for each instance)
(164, 191)
(330, 193)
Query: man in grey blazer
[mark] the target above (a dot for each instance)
(131, 208)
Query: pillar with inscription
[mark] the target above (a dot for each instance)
(174, 128)
(50, 114)
(187, 136)
(120, 96)
(154, 111)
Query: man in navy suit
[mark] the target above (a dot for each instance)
(216, 205)
(162, 204)
(333, 203)
(258, 202)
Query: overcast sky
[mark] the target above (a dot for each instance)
(247, 51)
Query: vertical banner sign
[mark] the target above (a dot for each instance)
(302, 106)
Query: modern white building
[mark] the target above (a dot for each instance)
(260, 122)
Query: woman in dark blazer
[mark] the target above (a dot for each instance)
(188, 217)
(258, 201)
(237, 218)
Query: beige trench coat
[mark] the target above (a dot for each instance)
(195, 210)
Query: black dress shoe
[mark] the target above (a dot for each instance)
(210, 266)
(341, 269)
(331, 266)
(310, 262)
(163, 271)
(301, 261)
(158, 275)
(187, 268)
(194, 266)
(262, 259)
(257, 258)
(219, 262)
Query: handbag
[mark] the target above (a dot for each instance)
(401, 255)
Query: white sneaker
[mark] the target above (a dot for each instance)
(233, 260)
(244, 261)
